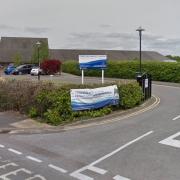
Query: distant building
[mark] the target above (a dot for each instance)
(10, 46)
(72, 54)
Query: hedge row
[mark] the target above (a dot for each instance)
(52, 103)
(160, 71)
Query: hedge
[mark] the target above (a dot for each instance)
(160, 71)
(52, 103)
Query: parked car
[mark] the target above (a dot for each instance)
(9, 69)
(23, 69)
(35, 70)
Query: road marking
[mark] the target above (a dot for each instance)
(177, 117)
(77, 174)
(57, 168)
(97, 170)
(170, 141)
(15, 151)
(5, 176)
(120, 178)
(36, 177)
(2, 146)
(33, 159)
(7, 165)
(157, 101)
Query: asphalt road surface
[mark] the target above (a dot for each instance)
(143, 147)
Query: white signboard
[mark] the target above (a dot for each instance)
(92, 61)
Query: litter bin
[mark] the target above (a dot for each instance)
(145, 81)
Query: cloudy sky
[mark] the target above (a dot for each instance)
(95, 24)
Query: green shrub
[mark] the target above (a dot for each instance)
(33, 112)
(130, 95)
(20, 95)
(53, 103)
(160, 71)
(52, 117)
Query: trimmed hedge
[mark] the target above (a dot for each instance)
(52, 103)
(160, 71)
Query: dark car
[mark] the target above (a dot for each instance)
(9, 69)
(23, 69)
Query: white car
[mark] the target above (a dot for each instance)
(35, 71)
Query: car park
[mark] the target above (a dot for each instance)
(23, 69)
(10, 68)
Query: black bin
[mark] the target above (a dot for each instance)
(145, 81)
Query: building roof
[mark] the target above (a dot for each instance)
(10, 46)
(72, 54)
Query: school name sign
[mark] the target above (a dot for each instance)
(83, 99)
(92, 61)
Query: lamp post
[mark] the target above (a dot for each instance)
(140, 29)
(38, 46)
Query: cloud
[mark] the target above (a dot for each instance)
(105, 26)
(123, 41)
(36, 30)
(101, 40)
(7, 27)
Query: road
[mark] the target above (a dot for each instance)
(142, 147)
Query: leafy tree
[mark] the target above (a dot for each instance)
(43, 52)
(17, 59)
(51, 66)
(177, 58)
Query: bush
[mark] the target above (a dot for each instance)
(20, 95)
(55, 106)
(53, 103)
(33, 112)
(51, 66)
(131, 95)
(160, 71)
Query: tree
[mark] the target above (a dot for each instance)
(177, 58)
(51, 66)
(43, 52)
(17, 59)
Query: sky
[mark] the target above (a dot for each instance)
(95, 24)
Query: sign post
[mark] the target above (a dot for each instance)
(82, 73)
(102, 76)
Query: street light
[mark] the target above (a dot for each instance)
(38, 46)
(140, 29)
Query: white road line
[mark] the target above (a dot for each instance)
(120, 178)
(97, 170)
(121, 148)
(33, 159)
(57, 168)
(15, 151)
(77, 174)
(177, 117)
(170, 141)
(2, 146)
